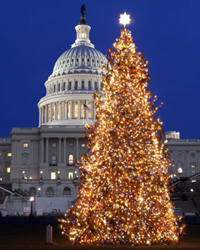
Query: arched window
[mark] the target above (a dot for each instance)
(54, 88)
(96, 86)
(89, 85)
(32, 191)
(71, 160)
(70, 86)
(58, 86)
(76, 85)
(53, 160)
(49, 192)
(63, 87)
(82, 85)
(67, 191)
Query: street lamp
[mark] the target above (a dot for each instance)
(39, 189)
(32, 200)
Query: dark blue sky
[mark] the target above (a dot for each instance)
(35, 33)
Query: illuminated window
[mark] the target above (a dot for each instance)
(70, 175)
(75, 109)
(53, 144)
(69, 110)
(53, 112)
(53, 175)
(193, 167)
(48, 113)
(180, 170)
(9, 154)
(25, 145)
(53, 160)
(83, 145)
(83, 111)
(71, 160)
(8, 170)
(90, 110)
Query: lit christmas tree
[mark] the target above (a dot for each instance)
(123, 196)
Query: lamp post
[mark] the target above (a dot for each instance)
(41, 172)
(39, 189)
(31, 200)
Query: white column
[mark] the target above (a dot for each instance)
(39, 116)
(59, 160)
(77, 145)
(47, 150)
(79, 109)
(51, 112)
(65, 153)
(46, 114)
(55, 111)
(65, 112)
(71, 110)
(59, 110)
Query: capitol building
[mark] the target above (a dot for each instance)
(37, 165)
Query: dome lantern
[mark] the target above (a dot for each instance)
(82, 31)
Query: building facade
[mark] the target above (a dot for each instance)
(40, 162)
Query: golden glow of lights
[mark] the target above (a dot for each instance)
(124, 19)
(123, 195)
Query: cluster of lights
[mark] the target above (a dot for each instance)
(123, 196)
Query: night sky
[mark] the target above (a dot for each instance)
(35, 33)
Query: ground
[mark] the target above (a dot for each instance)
(32, 236)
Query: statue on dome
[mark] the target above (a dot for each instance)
(83, 10)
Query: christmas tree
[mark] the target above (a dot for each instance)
(123, 196)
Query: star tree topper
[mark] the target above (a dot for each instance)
(124, 19)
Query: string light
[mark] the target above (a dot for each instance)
(123, 196)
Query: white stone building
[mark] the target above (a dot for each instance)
(40, 162)
(184, 155)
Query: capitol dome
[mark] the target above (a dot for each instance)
(79, 59)
(76, 76)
